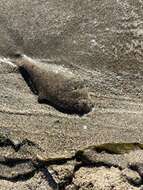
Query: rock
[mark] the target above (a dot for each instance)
(62, 174)
(38, 182)
(90, 156)
(101, 178)
(14, 170)
(132, 176)
(6, 66)
(118, 148)
(137, 167)
(112, 154)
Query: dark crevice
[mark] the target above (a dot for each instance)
(11, 162)
(58, 161)
(134, 183)
(51, 182)
(137, 167)
(80, 157)
(19, 177)
(11, 165)
(16, 145)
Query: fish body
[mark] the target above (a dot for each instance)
(56, 87)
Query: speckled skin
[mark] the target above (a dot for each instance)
(65, 93)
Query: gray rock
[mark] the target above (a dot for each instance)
(38, 182)
(132, 176)
(101, 178)
(62, 174)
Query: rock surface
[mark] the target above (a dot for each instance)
(101, 42)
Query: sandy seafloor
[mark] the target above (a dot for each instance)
(101, 42)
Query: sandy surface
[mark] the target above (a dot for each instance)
(101, 42)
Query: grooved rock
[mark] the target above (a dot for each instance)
(101, 178)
